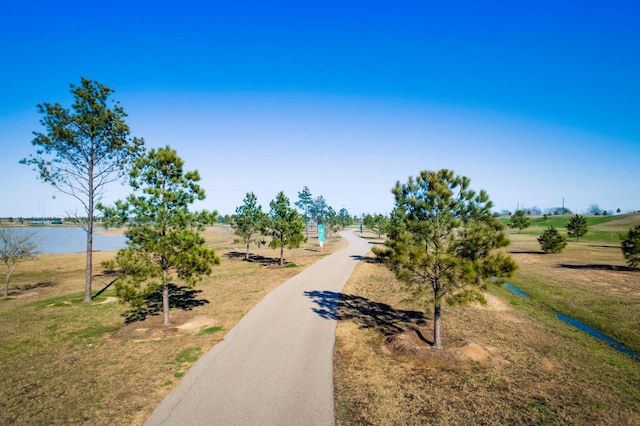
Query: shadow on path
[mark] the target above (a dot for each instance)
(368, 314)
(180, 297)
(367, 259)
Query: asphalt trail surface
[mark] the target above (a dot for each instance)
(275, 366)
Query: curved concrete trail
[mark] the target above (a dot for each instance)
(275, 366)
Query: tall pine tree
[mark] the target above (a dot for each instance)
(82, 150)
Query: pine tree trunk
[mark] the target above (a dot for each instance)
(282, 248)
(246, 256)
(437, 341)
(87, 284)
(165, 302)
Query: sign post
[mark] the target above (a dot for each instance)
(321, 235)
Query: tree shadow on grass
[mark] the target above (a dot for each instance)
(180, 297)
(263, 260)
(19, 289)
(606, 246)
(598, 267)
(366, 313)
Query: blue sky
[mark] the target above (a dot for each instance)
(535, 101)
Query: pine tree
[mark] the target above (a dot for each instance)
(83, 150)
(519, 220)
(442, 238)
(249, 222)
(164, 238)
(551, 241)
(631, 247)
(285, 225)
(577, 227)
(305, 203)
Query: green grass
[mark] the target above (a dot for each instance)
(189, 355)
(97, 331)
(609, 235)
(611, 315)
(211, 330)
(543, 312)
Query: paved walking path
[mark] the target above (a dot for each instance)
(275, 367)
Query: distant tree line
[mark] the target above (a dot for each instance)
(286, 226)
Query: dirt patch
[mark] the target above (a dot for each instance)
(197, 324)
(152, 328)
(456, 351)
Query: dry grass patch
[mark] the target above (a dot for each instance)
(66, 362)
(505, 363)
(588, 281)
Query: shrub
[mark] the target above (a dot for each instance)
(551, 241)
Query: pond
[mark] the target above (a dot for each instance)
(71, 239)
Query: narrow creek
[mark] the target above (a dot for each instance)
(582, 327)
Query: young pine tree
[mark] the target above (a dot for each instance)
(631, 247)
(577, 227)
(443, 240)
(164, 238)
(249, 222)
(519, 221)
(551, 241)
(285, 225)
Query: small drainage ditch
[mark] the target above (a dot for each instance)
(582, 327)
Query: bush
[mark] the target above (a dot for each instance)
(551, 241)
(108, 265)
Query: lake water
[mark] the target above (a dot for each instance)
(71, 239)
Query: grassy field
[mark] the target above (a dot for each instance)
(65, 362)
(510, 362)
(601, 228)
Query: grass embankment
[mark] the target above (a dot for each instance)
(66, 362)
(521, 365)
(589, 280)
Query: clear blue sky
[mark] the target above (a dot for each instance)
(533, 100)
